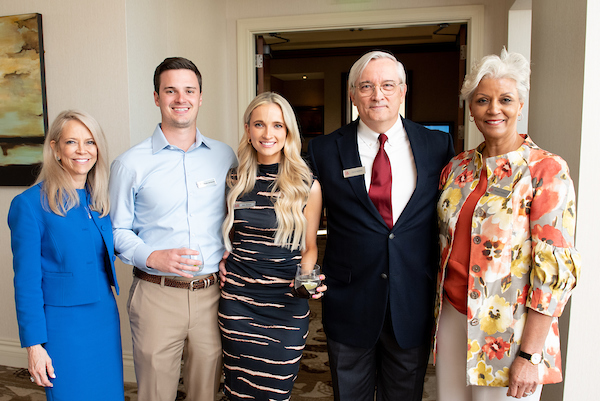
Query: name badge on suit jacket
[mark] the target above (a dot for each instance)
(353, 172)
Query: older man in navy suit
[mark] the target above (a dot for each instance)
(379, 176)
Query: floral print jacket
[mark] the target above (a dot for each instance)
(522, 254)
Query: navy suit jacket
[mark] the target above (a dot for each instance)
(54, 260)
(368, 266)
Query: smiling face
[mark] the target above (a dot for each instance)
(77, 151)
(179, 98)
(267, 132)
(495, 107)
(378, 111)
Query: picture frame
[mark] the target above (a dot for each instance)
(23, 107)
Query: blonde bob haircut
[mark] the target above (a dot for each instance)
(290, 190)
(359, 66)
(509, 65)
(57, 186)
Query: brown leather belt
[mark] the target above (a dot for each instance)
(192, 285)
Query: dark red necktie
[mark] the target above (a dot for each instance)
(380, 190)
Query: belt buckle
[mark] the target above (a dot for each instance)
(192, 285)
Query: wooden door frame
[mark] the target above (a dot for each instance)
(473, 16)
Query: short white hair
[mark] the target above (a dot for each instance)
(360, 65)
(509, 65)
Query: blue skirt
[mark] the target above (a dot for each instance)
(84, 343)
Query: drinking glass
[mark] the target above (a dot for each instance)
(307, 279)
(198, 259)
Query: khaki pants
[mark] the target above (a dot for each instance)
(164, 321)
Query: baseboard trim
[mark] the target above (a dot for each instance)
(11, 354)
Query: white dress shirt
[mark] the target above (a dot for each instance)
(397, 147)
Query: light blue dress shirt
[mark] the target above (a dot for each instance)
(163, 197)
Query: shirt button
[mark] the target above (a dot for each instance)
(474, 322)
(384, 276)
(474, 295)
(391, 236)
(476, 268)
(477, 240)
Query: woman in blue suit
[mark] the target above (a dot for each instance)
(63, 261)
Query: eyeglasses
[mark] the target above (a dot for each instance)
(387, 88)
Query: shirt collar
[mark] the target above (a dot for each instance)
(159, 141)
(370, 137)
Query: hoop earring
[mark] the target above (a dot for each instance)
(249, 141)
(57, 158)
(520, 117)
(472, 119)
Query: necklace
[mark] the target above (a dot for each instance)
(87, 209)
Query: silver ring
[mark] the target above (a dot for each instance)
(527, 394)
(32, 379)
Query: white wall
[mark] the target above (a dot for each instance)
(581, 382)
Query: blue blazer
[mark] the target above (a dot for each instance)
(54, 261)
(368, 266)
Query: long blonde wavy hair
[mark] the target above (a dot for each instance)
(292, 186)
(57, 185)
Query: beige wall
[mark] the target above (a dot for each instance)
(563, 117)
(86, 68)
(100, 57)
(558, 135)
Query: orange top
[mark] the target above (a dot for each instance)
(455, 283)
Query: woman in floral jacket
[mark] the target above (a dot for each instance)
(508, 265)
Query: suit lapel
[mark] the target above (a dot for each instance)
(108, 245)
(349, 157)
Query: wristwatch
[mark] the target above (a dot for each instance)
(535, 359)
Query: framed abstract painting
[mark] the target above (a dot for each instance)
(23, 111)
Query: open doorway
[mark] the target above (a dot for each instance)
(311, 68)
(317, 24)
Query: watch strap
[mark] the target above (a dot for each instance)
(529, 357)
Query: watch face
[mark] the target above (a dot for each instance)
(536, 359)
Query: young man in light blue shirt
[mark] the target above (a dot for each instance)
(168, 199)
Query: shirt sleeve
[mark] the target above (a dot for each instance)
(26, 239)
(556, 264)
(129, 247)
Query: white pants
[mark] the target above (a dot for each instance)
(451, 364)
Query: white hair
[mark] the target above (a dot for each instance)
(360, 65)
(509, 65)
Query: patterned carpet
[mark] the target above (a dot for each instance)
(313, 383)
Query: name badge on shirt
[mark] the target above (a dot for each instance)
(207, 183)
(353, 172)
(244, 205)
(499, 191)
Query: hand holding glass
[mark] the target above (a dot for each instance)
(307, 279)
(198, 260)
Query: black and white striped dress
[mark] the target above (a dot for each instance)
(263, 327)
